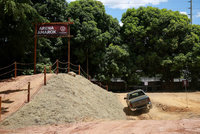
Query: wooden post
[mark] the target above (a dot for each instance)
(45, 75)
(15, 69)
(68, 46)
(107, 87)
(57, 66)
(28, 96)
(87, 66)
(35, 47)
(79, 69)
(0, 107)
(49, 69)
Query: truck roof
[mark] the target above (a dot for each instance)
(138, 90)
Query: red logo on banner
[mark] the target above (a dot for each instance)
(52, 30)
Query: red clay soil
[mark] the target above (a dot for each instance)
(14, 92)
(186, 126)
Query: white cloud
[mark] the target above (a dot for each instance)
(120, 23)
(198, 15)
(184, 13)
(124, 4)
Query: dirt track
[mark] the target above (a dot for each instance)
(14, 92)
(116, 127)
(168, 109)
(167, 106)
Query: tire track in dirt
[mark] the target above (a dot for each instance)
(166, 106)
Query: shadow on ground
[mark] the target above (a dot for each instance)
(4, 110)
(128, 112)
(12, 91)
(7, 101)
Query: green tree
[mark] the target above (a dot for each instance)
(50, 49)
(157, 40)
(93, 31)
(16, 30)
(114, 63)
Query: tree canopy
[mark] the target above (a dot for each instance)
(152, 41)
(93, 31)
(16, 30)
(160, 40)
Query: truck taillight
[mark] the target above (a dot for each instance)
(148, 99)
(131, 105)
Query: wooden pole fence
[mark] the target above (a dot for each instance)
(35, 48)
(28, 96)
(49, 69)
(107, 87)
(45, 77)
(57, 66)
(79, 69)
(0, 107)
(15, 69)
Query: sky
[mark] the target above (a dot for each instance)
(117, 7)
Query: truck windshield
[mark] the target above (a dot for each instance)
(134, 95)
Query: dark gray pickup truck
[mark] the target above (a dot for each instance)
(137, 100)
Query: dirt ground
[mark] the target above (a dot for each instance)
(14, 92)
(67, 99)
(167, 106)
(186, 126)
(172, 113)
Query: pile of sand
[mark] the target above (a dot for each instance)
(67, 99)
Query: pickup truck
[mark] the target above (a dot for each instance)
(137, 100)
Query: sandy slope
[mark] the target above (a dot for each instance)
(14, 91)
(67, 99)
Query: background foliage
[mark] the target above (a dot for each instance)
(151, 42)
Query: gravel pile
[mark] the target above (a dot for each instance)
(67, 99)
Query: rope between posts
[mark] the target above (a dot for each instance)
(54, 70)
(100, 84)
(24, 64)
(7, 66)
(62, 62)
(73, 70)
(53, 64)
(84, 72)
(74, 65)
(22, 69)
(62, 68)
(83, 75)
(7, 72)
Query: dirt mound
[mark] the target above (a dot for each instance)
(67, 99)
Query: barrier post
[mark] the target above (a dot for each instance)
(57, 66)
(49, 69)
(45, 75)
(79, 69)
(28, 96)
(107, 87)
(15, 69)
(0, 107)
